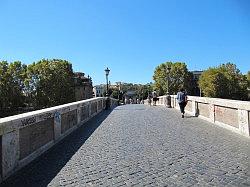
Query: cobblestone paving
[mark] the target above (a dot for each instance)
(138, 145)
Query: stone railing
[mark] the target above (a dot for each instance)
(231, 114)
(26, 136)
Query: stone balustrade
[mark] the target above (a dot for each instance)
(26, 136)
(231, 114)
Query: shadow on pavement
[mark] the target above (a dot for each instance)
(42, 170)
(190, 116)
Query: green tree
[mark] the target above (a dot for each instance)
(144, 90)
(209, 80)
(11, 87)
(141, 91)
(50, 83)
(4, 85)
(114, 93)
(177, 77)
(224, 81)
(248, 78)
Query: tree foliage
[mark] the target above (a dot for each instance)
(50, 83)
(224, 81)
(209, 83)
(248, 78)
(43, 84)
(177, 77)
(12, 76)
(141, 90)
(144, 90)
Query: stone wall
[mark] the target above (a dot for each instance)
(202, 109)
(0, 158)
(26, 136)
(226, 115)
(189, 106)
(32, 137)
(231, 114)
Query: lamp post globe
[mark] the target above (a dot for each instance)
(119, 91)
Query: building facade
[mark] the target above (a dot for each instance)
(98, 90)
(83, 86)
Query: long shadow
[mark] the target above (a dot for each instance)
(42, 170)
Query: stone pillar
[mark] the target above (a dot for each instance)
(168, 101)
(212, 112)
(243, 119)
(176, 104)
(57, 124)
(89, 103)
(10, 152)
(97, 106)
(194, 108)
(108, 103)
(172, 102)
(78, 115)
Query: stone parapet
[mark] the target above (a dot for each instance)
(231, 114)
(26, 136)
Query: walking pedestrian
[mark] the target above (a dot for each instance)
(182, 100)
(130, 101)
(137, 101)
(154, 94)
(149, 100)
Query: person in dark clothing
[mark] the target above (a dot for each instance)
(154, 97)
(182, 100)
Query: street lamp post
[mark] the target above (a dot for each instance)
(119, 89)
(168, 104)
(107, 92)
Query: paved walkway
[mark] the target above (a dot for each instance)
(138, 145)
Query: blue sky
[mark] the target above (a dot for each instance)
(131, 37)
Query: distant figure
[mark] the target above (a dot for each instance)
(137, 101)
(149, 100)
(130, 101)
(126, 101)
(154, 94)
(182, 100)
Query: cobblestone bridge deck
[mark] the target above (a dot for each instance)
(138, 145)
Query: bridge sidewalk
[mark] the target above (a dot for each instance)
(138, 145)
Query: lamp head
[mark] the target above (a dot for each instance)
(107, 71)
